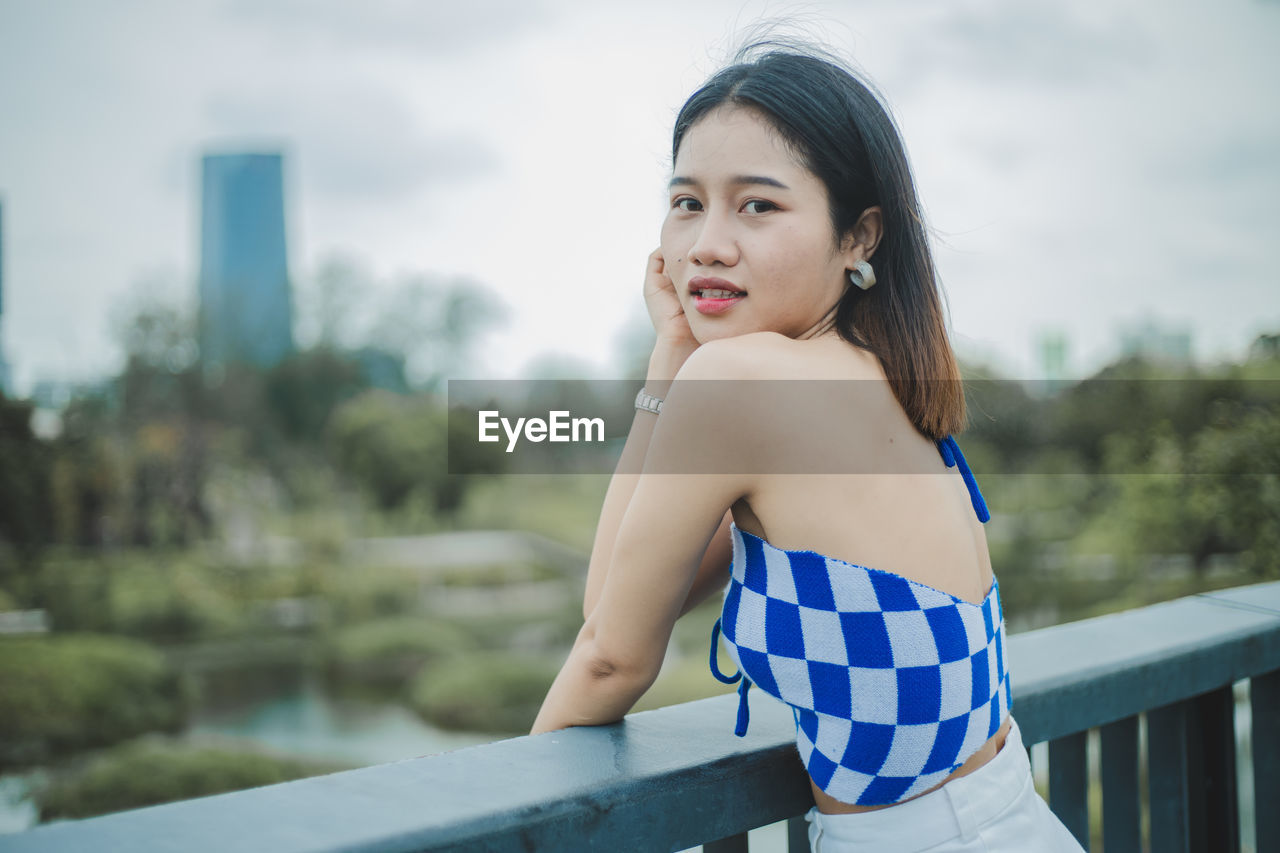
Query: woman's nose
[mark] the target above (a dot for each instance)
(715, 243)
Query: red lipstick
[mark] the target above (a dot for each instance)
(718, 303)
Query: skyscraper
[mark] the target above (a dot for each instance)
(1053, 353)
(246, 312)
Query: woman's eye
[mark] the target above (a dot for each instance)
(687, 204)
(759, 206)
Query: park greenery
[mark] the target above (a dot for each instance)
(153, 770)
(181, 515)
(69, 692)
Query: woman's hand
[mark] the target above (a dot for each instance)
(675, 338)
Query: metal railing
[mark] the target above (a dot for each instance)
(678, 777)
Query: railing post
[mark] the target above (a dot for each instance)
(1069, 784)
(1121, 800)
(1264, 701)
(1168, 769)
(732, 844)
(798, 835)
(1214, 812)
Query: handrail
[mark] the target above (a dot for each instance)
(676, 777)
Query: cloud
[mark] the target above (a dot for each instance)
(1040, 46)
(354, 142)
(449, 27)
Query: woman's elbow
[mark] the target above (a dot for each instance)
(606, 661)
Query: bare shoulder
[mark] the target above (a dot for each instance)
(748, 356)
(711, 413)
(769, 355)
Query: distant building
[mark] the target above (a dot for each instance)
(246, 311)
(1156, 342)
(4, 365)
(1053, 353)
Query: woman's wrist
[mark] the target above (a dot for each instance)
(664, 364)
(657, 387)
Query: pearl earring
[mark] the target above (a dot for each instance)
(862, 275)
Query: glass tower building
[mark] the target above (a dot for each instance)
(246, 311)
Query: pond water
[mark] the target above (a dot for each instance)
(307, 720)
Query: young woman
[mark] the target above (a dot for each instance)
(794, 250)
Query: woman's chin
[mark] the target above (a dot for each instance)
(714, 333)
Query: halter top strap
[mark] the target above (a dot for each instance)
(955, 459)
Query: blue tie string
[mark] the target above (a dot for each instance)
(744, 713)
(715, 670)
(954, 458)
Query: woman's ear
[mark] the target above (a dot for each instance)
(863, 238)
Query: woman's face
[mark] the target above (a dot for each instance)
(745, 215)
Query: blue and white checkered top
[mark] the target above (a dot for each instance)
(893, 683)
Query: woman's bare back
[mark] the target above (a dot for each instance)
(919, 525)
(911, 514)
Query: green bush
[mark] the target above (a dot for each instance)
(68, 692)
(390, 651)
(174, 604)
(492, 692)
(159, 596)
(365, 594)
(155, 770)
(75, 593)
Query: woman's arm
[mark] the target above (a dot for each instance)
(661, 540)
(713, 571)
(673, 346)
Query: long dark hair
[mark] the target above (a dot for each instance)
(845, 136)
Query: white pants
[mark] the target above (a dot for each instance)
(995, 808)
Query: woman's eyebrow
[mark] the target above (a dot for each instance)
(736, 180)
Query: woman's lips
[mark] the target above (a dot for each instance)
(712, 305)
(718, 304)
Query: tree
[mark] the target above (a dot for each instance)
(303, 390)
(395, 446)
(1237, 484)
(435, 324)
(24, 496)
(158, 337)
(329, 303)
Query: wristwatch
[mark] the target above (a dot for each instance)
(648, 402)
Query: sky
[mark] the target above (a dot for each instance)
(1084, 167)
